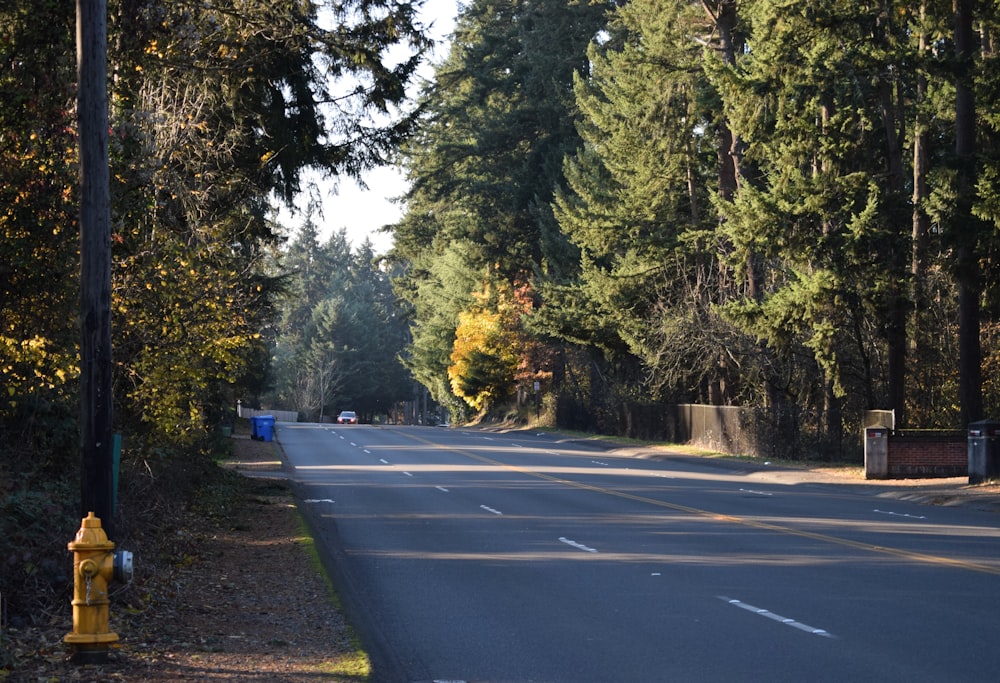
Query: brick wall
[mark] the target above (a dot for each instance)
(928, 454)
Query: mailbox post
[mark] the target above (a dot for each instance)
(876, 453)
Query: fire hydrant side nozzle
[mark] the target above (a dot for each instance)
(95, 565)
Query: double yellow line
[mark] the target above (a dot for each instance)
(911, 556)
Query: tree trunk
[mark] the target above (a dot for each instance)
(965, 228)
(920, 166)
(896, 304)
(921, 159)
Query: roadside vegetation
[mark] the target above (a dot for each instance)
(727, 203)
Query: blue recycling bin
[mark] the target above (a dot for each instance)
(265, 428)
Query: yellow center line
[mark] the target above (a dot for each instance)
(912, 556)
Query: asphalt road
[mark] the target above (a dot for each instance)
(464, 555)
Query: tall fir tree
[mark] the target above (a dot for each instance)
(498, 119)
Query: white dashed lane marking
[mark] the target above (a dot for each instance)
(578, 546)
(898, 514)
(760, 611)
(756, 493)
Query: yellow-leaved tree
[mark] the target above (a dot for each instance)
(490, 344)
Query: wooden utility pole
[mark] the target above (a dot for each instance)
(96, 448)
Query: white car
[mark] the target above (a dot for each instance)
(347, 417)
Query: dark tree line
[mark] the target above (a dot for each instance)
(735, 203)
(340, 332)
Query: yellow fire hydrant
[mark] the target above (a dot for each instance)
(95, 564)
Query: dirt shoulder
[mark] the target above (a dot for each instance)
(241, 598)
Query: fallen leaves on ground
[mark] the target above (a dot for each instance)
(242, 600)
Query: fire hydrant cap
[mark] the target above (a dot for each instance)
(91, 535)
